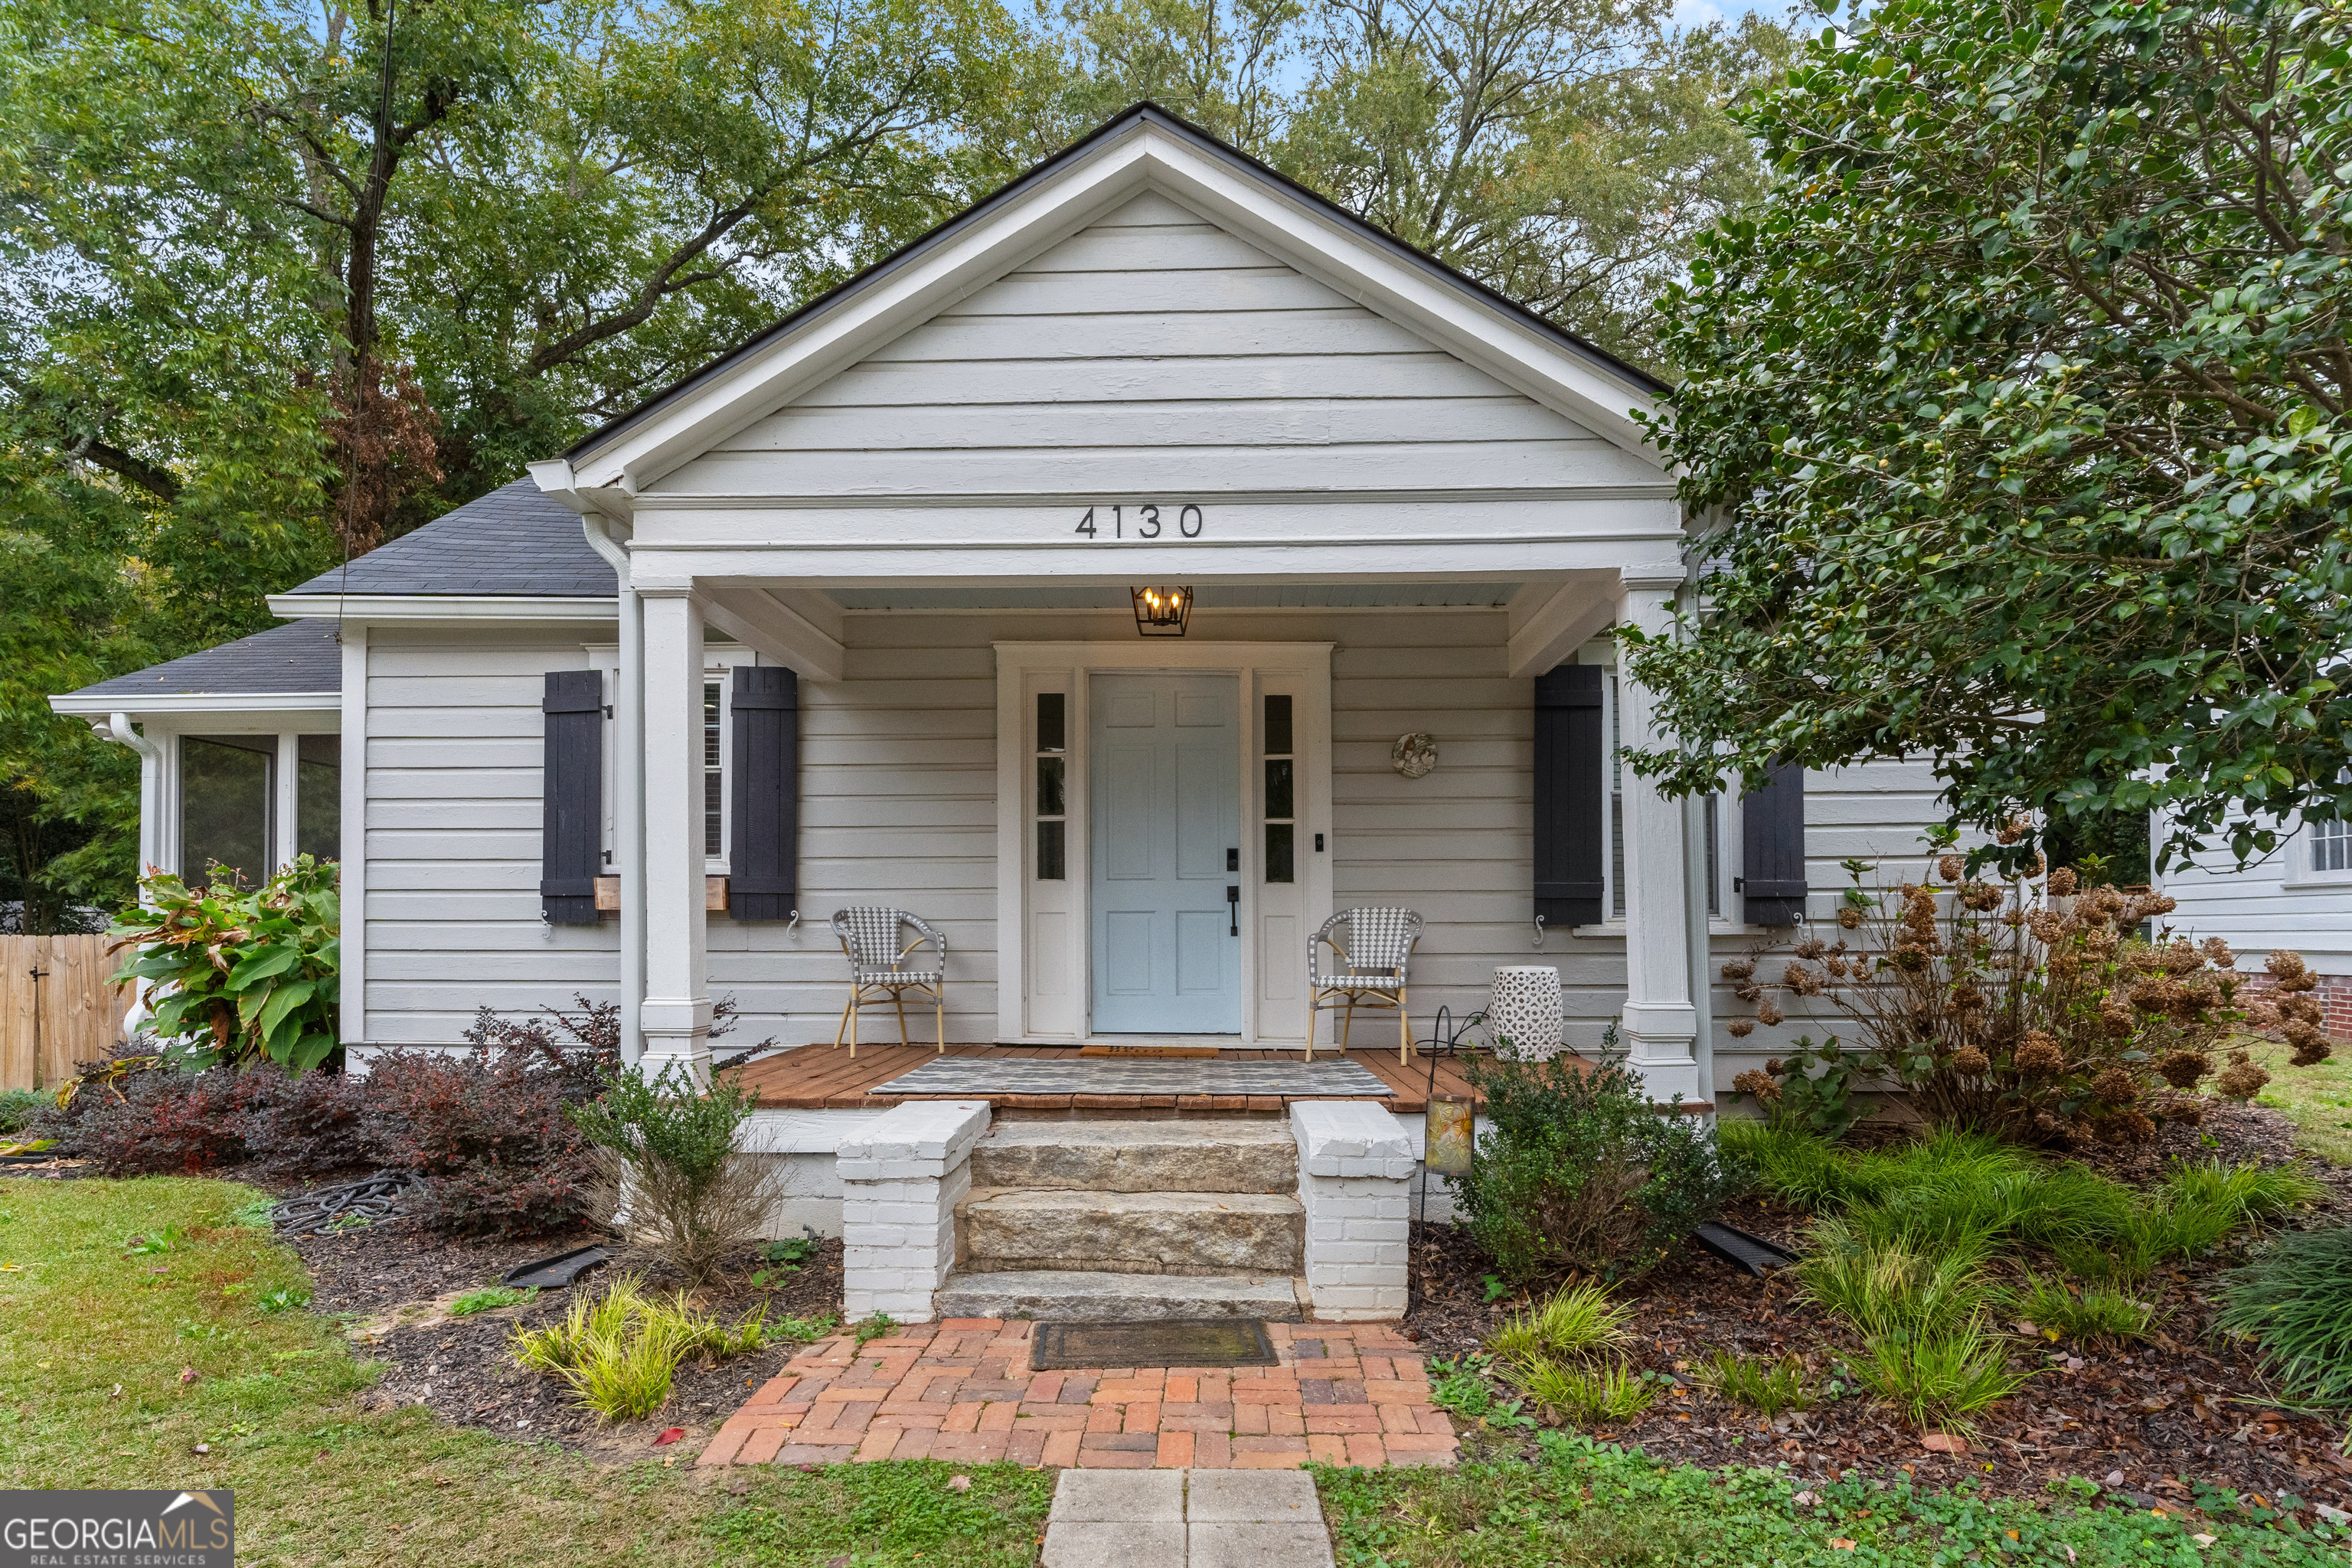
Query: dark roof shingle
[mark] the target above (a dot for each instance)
(514, 540)
(301, 656)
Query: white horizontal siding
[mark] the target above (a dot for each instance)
(1154, 353)
(2277, 902)
(452, 837)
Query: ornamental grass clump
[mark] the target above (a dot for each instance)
(620, 1351)
(1752, 1383)
(2099, 1316)
(2295, 1300)
(1578, 1321)
(2033, 1009)
(1587, 1395)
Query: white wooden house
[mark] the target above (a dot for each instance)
(849, 618)
(2298, 898)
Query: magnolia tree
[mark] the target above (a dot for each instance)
(2023, 411)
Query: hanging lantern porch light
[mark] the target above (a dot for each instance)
(1162, 612)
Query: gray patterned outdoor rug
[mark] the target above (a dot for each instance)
(1027, 1075)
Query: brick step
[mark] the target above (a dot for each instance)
(1224, 1155)
(1153, 1233)
(1077, 1295)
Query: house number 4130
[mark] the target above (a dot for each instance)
(1112, 521)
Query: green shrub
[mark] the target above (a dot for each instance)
(1938, 1376)
(2296, 1300)
(238, 974)
(666, 1158)
(1587, 1395)
(1572, 1323)
(1882, 1288)
(1766, 1387)
(2100, 1315)
(1580, 1173)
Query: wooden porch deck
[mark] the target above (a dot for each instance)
(823, 1078)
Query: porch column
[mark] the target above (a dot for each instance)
(676, 1014)
(1660, 1022)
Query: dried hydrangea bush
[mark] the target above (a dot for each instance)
(2033, 1007)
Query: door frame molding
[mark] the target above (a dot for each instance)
(1024, 670)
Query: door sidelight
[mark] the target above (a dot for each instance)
(1232, 910)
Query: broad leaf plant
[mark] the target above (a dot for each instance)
(236, 976)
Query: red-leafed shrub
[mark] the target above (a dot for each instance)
(158, 1122)
(313, 1125)
(486, 1131)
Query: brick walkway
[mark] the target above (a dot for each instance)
(961, 1390)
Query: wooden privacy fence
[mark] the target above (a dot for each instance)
(65, 1013)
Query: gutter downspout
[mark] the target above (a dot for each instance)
(117, 728)
(629, 811)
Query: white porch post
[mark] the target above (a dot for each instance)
(675, 1013)
(1661, 1021)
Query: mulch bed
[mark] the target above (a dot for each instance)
(2188, 1409)
(460, 1370)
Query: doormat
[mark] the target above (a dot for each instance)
(1149, 1052)
(986, 1074)
(1171, 1342)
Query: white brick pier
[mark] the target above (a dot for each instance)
(902, 1177)
(1356, 1167)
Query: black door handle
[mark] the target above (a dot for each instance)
(1232, 910)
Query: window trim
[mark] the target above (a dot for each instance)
(2299, 871)
(284, 831)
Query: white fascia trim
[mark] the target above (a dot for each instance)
(1156, 653)
(326, 704)
(1049, 212)
(367, 607)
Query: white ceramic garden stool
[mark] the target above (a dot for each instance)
(1526, 1010)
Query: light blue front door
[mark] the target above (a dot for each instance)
(1167, 824)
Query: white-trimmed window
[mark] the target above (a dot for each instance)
(2331, 845)
(249, 803)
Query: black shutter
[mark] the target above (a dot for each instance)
(1772, 849)
(1571, 806)
(763, 872)
(571, 790)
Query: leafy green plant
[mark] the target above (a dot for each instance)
(667, 1163)
(2101, 1315)
(171, 1238)
(783, 1258)
(1585, 1395)
(1462, 1386)
(1813, 1089)
(236, 976)
(254, 1216)
(1766, 1387)
(283, 1299)
(1580, 1172)
(1940, 1376)
(875, 1328)
(489, 1298)
(801, 1330)
(2295, 1298)
(1578, 1321)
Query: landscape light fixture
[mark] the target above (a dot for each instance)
(1162, 612)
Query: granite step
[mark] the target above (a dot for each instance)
(1130, 1233)
(1205, 1156)
(1079, 1296)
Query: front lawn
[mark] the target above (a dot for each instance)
(152, 1335)
(2317, 1099)
(1572, 1503)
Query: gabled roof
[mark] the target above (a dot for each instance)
(300, 658)
(983, 210)
(514, 540)
(1145, 147)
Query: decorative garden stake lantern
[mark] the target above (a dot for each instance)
(1162, 612)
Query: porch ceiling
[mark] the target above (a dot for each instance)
(1206, 596)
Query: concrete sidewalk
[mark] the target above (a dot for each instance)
(1186, 1519)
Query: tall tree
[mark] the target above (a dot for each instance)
(2022, 402)
(1565, 153)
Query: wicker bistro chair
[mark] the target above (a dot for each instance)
(1373, 947)
(878, 968)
